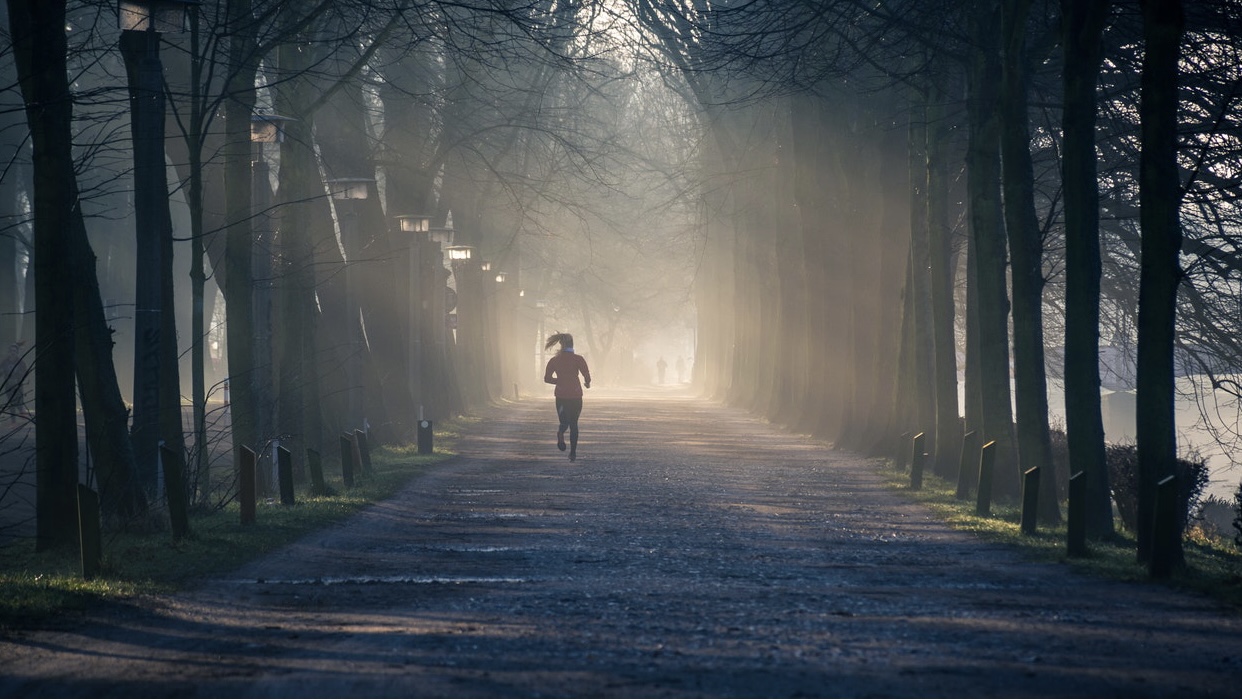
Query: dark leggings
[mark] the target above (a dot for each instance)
(568, 410)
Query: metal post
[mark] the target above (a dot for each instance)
(1030, 500)
(918, 456)
(970, 448)
(347, 461)
(1076, 518)
(261, 310)
(353, 362)
(415, 319)
(284, 461)
(90, 536)
(983, 497)
(1165, 529)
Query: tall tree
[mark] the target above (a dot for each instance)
(1082, 41)
(1160, 272)
(40, 49)
(1027, 273)
(983, 162)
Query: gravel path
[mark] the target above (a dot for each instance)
(692, 550)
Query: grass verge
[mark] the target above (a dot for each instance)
(39, 588)
(1212, 565)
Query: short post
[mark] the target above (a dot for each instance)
(364, 450)
(1030, 500)
(359, 467)
(90, 537)
(425, 437)
(284, 471)
(902, 451)
(246, 484)
(1164, 529)
(983, 498)
(174, 490)
(314, 464)
(917, 457)
(347, 461)
(970, 447)
(1076, 518)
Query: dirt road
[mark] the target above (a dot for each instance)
(690, 551)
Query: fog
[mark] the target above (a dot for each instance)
(784, 205)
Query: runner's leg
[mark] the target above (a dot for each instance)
(562, 416)
(574, 411)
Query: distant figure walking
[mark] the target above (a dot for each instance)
(681, 370)
(12, 377)
(562, 371)
(661, 366)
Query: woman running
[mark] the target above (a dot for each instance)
(563, 369)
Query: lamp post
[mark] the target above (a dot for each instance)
(264, 128)
(416, 227)
(141, 23)
(461, 256)
(442, 391)
(346, 191)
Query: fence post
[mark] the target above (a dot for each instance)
(347, 461)
(970, 447)
(917, 457)
(364, 450)
(174, 491)
(1165, 529)
(90, 538)
(983, 497)
(426, 437)
(1076, 518)
(284, 470)
(1030, 500)
(315, 466)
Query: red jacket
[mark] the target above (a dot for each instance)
(565, 366)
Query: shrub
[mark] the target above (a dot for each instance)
(1192, 479)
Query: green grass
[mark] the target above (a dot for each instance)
(37, 588)
(1213, 564)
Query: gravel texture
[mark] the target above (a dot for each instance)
(692, 550)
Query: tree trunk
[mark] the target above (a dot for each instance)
(988, 237)
(924, 350)
(1159, 272)
(1026, 248)
(1082, 30)
(121, 497)
(239, 234)
(39, 48)
(940, 256)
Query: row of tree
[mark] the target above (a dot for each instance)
(918, 192)
(491, 115)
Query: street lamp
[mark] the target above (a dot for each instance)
(418, 227)
(268, 128)
(141, 24)
(501, 277)
(460, 253)
(345, 191)
(159, 16)
(350, 188)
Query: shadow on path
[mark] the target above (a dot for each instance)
(692, 550)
